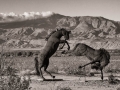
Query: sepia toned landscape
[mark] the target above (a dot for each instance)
(27, 44)
(21, 42)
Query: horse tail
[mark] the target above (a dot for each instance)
(106, 53)
(36, 66)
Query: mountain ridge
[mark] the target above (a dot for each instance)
(83, 28)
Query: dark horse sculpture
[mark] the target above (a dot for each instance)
(53, 41)
(99, 58)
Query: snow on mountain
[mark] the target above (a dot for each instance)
(26, 15)
(45, 14)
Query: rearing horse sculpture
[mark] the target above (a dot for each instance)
(99, 58)
(53, 41)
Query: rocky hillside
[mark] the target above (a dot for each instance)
(30, 33)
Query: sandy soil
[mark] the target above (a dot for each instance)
(63, 82)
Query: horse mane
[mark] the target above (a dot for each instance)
(105, 52)
(57, 29)
(89, 47)
(49, 35)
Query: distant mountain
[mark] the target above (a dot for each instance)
(95, 31)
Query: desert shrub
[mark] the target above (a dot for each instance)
(24, 54)
(8, 78)
(10, 81)
(74, 71)
(118, 88)
(14, 83)
(29, 54)
(8, 71)
(112, 79)
(19, 54)
(113, 66)
(63, 88)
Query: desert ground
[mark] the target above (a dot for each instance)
(68, 76)
(64, 82)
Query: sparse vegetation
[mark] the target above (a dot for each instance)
(63, 88)
(118, 88)
(68, 65)
(9, 66)
(8, 78)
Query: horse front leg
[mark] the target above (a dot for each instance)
(64, 41)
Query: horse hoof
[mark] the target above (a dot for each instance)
(102, 79)
(44, 79)
(53, 77)
(69, 48)
(91, 74)
(80, 67)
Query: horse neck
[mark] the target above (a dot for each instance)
(57, 34)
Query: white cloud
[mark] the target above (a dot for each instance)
(44, 14)
(11, 14)
(3, 14)
(27, 15)
(37, 13)
(33, 14)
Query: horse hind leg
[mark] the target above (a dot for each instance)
(41, 75)
(101, 74)
(45, 69)
(104, 62)
(38, 67)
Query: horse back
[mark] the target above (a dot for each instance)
(79, 49)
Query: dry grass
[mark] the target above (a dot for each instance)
(67, 65)
(63, 88)
(8, 79)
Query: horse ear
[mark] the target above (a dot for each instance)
(69, 31)
(56, 29)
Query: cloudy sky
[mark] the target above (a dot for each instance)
(107, 8)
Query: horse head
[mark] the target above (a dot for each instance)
(65, 33)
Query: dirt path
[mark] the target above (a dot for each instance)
(63, 82)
